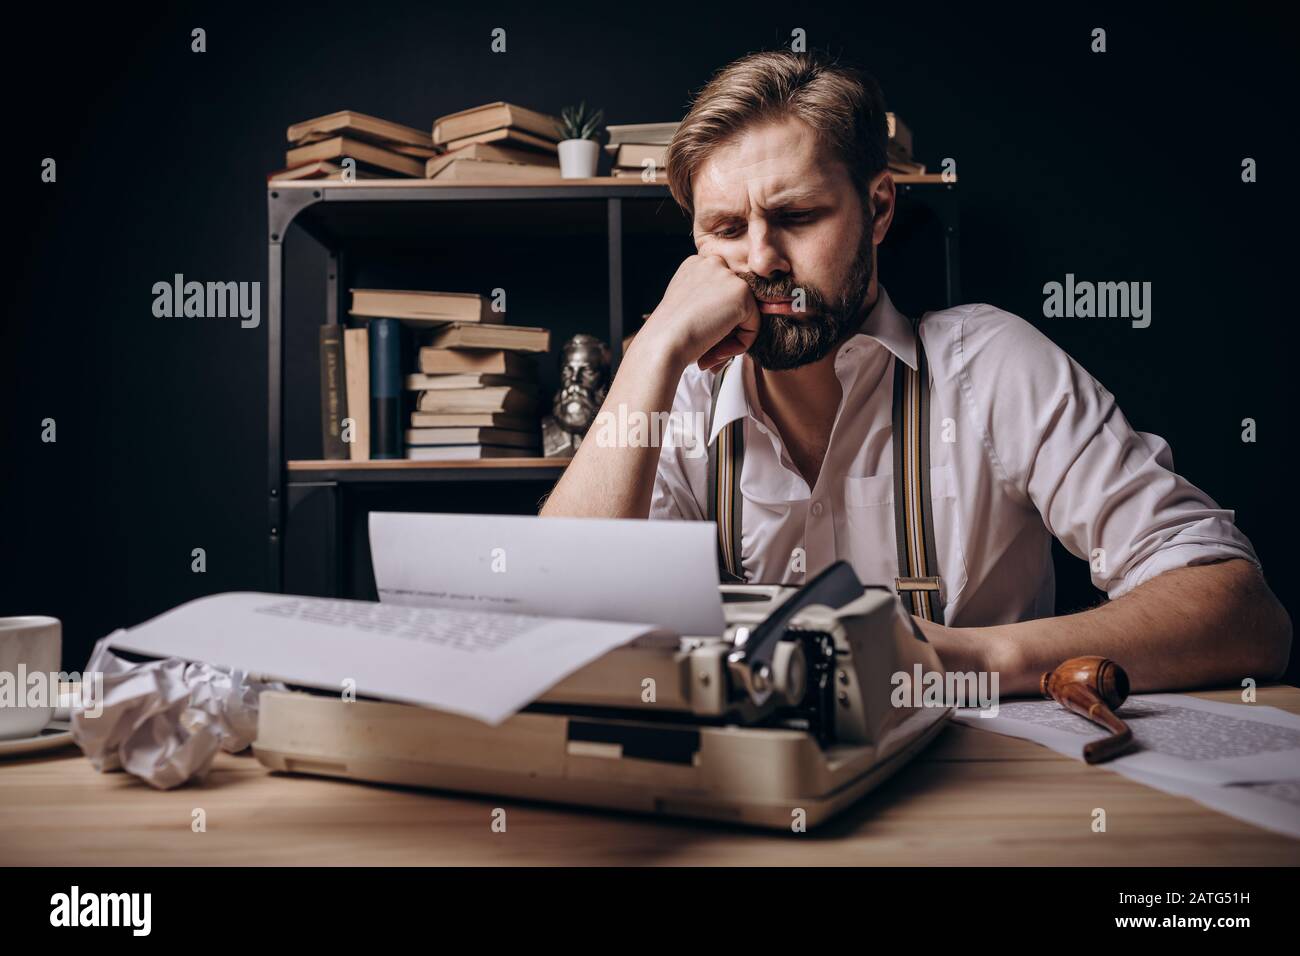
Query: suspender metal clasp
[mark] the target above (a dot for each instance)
(916, 584)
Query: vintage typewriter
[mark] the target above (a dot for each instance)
(803, 705)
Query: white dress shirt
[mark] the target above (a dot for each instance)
(1024, 444)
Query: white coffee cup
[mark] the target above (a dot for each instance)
(29, 646)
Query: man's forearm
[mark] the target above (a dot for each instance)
(1186, 628)
(616, 481)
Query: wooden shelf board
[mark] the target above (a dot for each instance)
(611, 181)
(403, 464)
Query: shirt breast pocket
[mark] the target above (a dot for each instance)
(872, 545)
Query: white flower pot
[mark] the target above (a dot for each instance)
(578, 158)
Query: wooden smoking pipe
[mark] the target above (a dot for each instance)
(1093, 687)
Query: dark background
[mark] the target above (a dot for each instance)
(1117, 166)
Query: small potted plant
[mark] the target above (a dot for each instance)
(579, 150)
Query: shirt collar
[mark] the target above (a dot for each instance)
(890, 328)
(884, 323)
(732, 403)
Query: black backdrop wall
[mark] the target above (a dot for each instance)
(1117, 166)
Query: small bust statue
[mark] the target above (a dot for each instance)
(584, 378)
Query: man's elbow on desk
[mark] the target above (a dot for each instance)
(1272, 638)
(1226, 615)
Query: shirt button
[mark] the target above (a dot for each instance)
(817, 509)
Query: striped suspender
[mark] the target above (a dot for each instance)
(725, 458)
(917, 581)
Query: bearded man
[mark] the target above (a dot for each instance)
(780, 329)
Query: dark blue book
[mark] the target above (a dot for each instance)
(385, 388)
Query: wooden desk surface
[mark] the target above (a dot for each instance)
(973, 798)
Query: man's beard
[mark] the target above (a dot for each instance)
(789, 341)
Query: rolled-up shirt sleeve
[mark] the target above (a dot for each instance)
(1107, 492)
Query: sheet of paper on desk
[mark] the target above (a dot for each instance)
(1274, 805)
(1178, 736)
(1240, 759)
(664, 572)
(483, 665)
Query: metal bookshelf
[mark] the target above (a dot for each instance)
(308, 499)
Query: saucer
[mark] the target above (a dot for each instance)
(55, 734)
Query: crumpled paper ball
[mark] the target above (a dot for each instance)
(163, 721)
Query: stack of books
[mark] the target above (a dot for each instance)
(473, 391)
(899, 148)
(634, 147)
(474, 403)
(476, 393)
(379, 148)
(495, 142)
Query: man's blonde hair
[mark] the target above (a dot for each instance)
(843, 105)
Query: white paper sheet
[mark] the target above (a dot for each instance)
(664, 572)
(1274, 806)
(1178, 736)
(485, 666)
(1240, 759)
